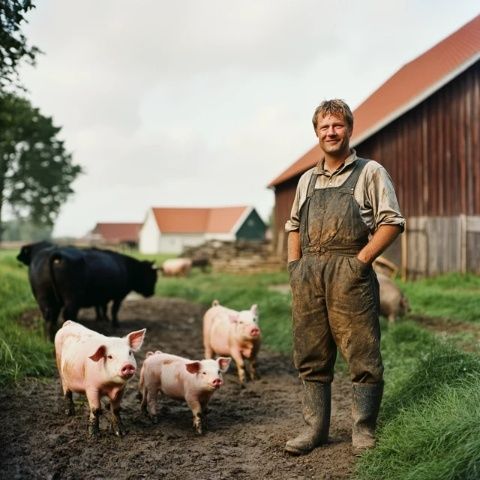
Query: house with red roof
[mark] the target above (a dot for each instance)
(423, 125)
(170, 230)
(115, 234)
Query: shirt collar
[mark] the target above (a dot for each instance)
(320, 167)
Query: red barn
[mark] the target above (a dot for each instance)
(423, 125)
(116, 234)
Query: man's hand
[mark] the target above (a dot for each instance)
(381, 239)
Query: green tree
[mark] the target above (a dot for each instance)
(36, 171)
(19, 229)
(13, 44)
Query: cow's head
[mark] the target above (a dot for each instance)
(145, 278)
(28, 251)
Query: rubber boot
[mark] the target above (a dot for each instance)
(316, 413)
(367, 398)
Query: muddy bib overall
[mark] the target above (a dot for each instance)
(335, 301)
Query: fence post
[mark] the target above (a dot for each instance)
(404, 253)
(463, 243)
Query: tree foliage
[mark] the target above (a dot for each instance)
(36, 171)
(19, 229)
(13, 43)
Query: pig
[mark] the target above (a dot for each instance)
(194, 381)
(177, 267)
(232, 333)
(393, 302)
(95, 365)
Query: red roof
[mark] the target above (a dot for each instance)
(199, 220)
(117, 232)
(413, 83)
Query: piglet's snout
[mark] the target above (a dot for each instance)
(255, 332)
(217, 383)
(128, 370)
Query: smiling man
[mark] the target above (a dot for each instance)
(344, 215)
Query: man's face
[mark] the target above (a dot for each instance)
(333, 135)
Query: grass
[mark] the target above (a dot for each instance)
(452, 297)
(157, 258)
(428, 425)
(436, 439)
(23, 352)
(428, 428)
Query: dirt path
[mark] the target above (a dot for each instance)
(245, 437)
(464, 335)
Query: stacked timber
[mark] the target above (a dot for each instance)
(237, 257)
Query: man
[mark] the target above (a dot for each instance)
(344, 215)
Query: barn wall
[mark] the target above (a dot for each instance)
(439, 245)
(149, 236)
(432, 152)
(175, 243)
(222, 237)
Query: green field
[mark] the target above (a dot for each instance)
(430, 416)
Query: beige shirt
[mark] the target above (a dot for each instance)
(374, 193)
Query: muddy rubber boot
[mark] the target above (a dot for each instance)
(365, 407)
(316, 413)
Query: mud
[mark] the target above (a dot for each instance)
(247, 428)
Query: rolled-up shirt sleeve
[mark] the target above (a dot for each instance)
(383, 199)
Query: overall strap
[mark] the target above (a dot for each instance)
(311, 184)
(348, 185)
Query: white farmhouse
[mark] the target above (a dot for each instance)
(170, 230)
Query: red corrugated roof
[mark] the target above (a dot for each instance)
(118, 232)
(198, 220)
(413, 83)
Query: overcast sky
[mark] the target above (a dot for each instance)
(204, 102)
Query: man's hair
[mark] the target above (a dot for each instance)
(335, 107)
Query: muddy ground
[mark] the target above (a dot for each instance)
(247, 428)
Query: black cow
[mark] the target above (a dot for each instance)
(71, 278)
(37, 256)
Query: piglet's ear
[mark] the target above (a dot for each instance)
(99, 354)
(254, 309)
(135, 339)
(233, 317)
(224, 363)
(193, 367)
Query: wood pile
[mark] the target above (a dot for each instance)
(237, 257)
(254, 257)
